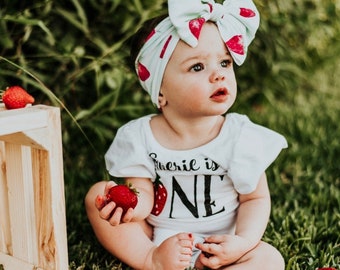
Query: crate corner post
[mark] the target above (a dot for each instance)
(32, 218)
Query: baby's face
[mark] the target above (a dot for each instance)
(200, 81)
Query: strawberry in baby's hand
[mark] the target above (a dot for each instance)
(124, 196)
(16, 97)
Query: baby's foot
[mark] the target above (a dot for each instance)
(173, 254)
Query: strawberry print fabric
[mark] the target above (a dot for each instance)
(237, 21)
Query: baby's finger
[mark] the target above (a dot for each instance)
(207, 249)
(116, 217)
(128, 216)
(100, 202)
(106, 211)
(109, 185)
(212, 262)
(217, 239)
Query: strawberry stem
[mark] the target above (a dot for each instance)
(129, 185)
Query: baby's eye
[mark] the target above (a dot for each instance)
(226, 63)
(197, 67)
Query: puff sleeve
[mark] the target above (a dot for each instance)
(256, 148)
(127, 156)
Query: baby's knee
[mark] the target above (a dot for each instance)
(277, 260)
(272, 257)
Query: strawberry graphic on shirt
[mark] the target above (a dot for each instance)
(195, 26)
(160, 196)
(235, 44)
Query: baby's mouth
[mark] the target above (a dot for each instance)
(219, 92)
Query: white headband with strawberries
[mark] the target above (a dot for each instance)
(237, 21)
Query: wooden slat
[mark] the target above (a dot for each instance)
(18, 120)
(5, 233)
(44, 211)
(21, 202)
(12, 263)
(32, 169)
(57, 196)
(34, 138)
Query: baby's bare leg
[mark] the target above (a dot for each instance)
(172, 254)
(131, 242)
(262, 257)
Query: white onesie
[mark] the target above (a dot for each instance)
(197, 189)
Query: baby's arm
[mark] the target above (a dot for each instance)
(253, 213)
(131, 241)
(142, 210)
(252, 218)
(145, 190)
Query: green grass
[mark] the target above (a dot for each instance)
(304, 182)
(286, 85)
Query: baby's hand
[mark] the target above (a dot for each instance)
(109, 210)
(222, 250)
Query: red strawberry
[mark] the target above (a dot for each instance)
(124, 196)
(160, 195)
(195, 26)
(143, 72)
(327, 268)
(16, 97)
(235, 44)
(246, 12)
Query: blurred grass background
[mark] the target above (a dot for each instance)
(73, 54)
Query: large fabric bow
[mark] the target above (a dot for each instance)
(237, 21)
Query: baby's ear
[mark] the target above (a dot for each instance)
(161, 100)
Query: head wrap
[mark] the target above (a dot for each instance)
(237, 22)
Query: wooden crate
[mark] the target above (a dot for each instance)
(32, 201)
